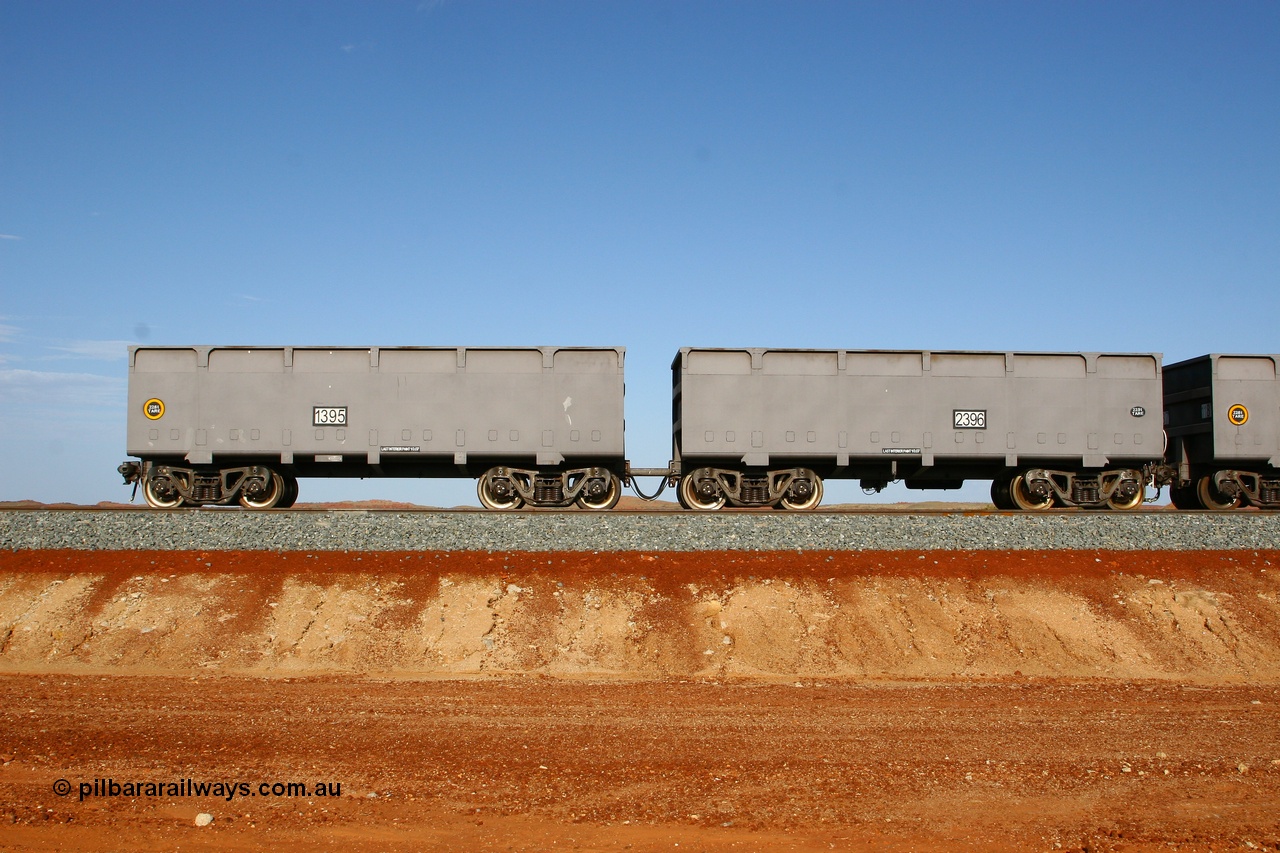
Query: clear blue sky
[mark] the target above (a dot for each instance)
(976, 175)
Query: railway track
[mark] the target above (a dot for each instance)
(367, 529)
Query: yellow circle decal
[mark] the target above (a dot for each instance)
(1238, 415)
(153, 409)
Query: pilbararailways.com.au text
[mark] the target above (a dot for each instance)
(227, 790)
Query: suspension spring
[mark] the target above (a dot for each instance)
(1086, 490)
(548, 490)
(206, 487)
(755, 490)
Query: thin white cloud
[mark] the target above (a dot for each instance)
(8, 333)
(9, 237)
(353, 47)
(47, 390)
(94, 350)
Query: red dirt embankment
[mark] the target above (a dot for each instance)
(1204, 616)
(723, 701)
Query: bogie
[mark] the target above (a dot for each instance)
(503, 488)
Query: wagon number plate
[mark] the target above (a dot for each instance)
(969, 419)
(328, 415)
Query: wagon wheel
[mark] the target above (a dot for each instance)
(155, 499)
(606, 501)
(801, 504)
(1185, 497)
(272, 497)
(1124, 504)
(1211, 498)
(290, 493)
(690, 499)
(492, 497)
(1024, 499)
(680, 496)
(1000, 494)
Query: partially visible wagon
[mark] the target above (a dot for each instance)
(536, 425)
(1222, 413)
(765, 427)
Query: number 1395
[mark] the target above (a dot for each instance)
(329, 416)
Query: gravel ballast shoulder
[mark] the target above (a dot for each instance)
(542, 531)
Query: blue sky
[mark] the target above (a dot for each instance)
(980, 175)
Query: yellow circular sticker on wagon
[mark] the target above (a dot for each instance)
(153, 409)
(1238, 415)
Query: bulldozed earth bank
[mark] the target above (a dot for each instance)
(1147, 595)
(1210, 616)
(541, 682)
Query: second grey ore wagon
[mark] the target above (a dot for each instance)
(536, 425)
(761, 427)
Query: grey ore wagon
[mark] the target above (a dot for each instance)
(765, 427)
(215, 425)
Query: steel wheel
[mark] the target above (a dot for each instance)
(1133, 502)
(1022, 497)
(155, 499)
(680, 497)
(1000, 495)
(690, 499)
(290, 492)
(606, 501)
(1184, 497)
(814, 498)
(491, 499)
(1211, 498)
(272, 497)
